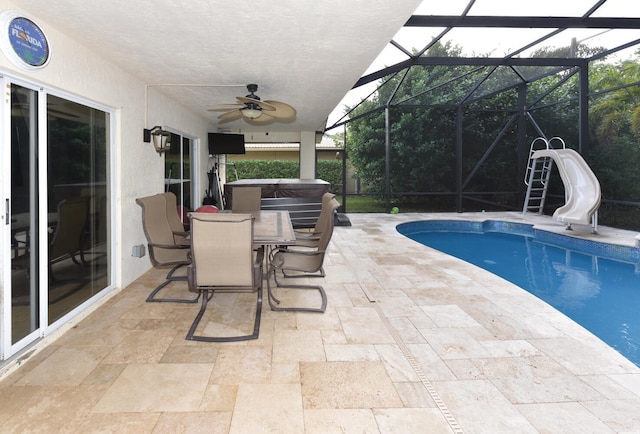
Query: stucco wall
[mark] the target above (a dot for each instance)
(138, 169)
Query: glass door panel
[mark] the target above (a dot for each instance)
(78, 264)
(178, 173)
(25, 300)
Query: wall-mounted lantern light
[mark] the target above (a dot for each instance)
(161, 138)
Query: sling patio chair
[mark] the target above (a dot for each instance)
(310, 238)
(68, 238)
(308, 261)
(69, 235)
(66, 246)
(175, 223)
(166, 249)
(223, 260)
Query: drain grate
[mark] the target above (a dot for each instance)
(418, 370)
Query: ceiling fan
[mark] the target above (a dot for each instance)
(255, 111)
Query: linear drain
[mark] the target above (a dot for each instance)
(418, 370)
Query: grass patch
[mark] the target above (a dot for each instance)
(365, 204)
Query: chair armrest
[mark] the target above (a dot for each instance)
(304, 252)
(308, 236)
(304, 243)
(286, 251)
(182, 238)
(307, 233)
(275, 251)
(169, 246)
(310, 265)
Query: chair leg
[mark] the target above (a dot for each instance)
(206, 296)
(170, 279)
(274, 302)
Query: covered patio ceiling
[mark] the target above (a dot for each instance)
(310, 54)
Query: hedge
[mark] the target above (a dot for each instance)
(328, 170)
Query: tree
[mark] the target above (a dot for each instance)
(615, 127)
(421, 138)
(616, 113)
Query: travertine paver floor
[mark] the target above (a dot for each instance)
(412, 341)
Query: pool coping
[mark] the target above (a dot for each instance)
(541, 233)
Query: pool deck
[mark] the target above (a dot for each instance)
(412, 341)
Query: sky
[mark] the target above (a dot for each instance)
(498, 42)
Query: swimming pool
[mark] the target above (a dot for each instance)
(595, 284)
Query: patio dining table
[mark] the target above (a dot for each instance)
(273, 228)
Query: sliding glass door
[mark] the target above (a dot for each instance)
(178, 167)
(55, 177)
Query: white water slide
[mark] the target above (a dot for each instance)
(582, 188)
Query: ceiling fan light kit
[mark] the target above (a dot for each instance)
(251, 112)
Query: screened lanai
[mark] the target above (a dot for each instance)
(411, 337)
(444, 118)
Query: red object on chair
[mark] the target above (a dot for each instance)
(182, 213)
(207, 208)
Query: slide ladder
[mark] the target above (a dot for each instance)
(537, 176)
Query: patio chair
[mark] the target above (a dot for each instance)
(165, 248)
(223, 259)
(307, 261)
(310, 238)
(69, 235)
(68, 241)
(177, 226)
(246, 199)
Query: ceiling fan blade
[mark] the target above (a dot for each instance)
(230, 116)
(282, 110)
(262, 104)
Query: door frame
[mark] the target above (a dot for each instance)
(7, 348)
(194, 164)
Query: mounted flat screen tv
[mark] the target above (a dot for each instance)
(221, 143)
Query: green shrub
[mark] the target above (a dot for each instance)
(264, 169)
(330, 171)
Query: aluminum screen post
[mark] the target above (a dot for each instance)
(387, 158)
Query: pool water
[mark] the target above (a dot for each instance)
(595, 284)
